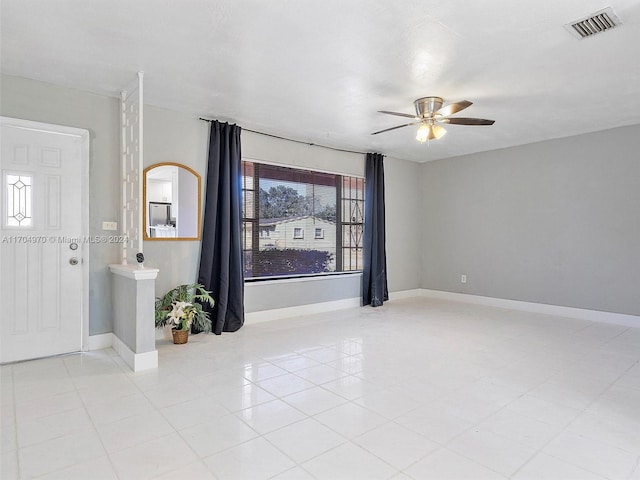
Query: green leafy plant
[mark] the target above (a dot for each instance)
(181, 307)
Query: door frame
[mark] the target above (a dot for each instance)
(84, 136)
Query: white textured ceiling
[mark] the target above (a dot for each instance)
(318, 71)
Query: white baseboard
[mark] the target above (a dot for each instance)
(98, 342)
(136, 361)
(310, 309)
(569, 312)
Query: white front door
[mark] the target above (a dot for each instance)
(42, 244)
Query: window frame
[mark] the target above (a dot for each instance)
(255, 220)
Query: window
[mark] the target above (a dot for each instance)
(280, 204)
(19, 200)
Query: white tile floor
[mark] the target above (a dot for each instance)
(417, 389)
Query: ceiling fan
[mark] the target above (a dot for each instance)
(430, 113)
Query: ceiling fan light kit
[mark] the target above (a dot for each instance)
(428, 131)
(429, 113)
(424, 132)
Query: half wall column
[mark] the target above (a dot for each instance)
(133, 285)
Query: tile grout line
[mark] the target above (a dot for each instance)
(249, 356)
(175, 430)
(504, 407)
(312, 417)
(582, 412)
(75, 390)
(308, 417)
(84, 405)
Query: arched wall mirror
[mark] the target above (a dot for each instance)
(171, 198)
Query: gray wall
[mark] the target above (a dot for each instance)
(555, 222)
(178, 137)
(168, 136)
(43, 102)
(133, 315)
(403, 211)
(402, 186)
(174, 137)
(290, 293)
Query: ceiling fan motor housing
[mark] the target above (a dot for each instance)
(427, 106)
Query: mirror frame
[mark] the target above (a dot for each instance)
(144, 204)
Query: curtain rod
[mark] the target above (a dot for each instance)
(292, 140)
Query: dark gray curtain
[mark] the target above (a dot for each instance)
(221, 264)
(374, 275)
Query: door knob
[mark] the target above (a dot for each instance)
(73, 260)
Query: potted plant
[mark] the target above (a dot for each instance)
(181, 307)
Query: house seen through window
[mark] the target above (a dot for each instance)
(300, 222)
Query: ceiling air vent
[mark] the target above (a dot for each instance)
(598, 22)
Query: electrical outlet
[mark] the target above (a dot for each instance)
(463, 278)
(110, 225)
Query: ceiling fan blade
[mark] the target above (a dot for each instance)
(466, 121)
(453, 108)
(398, 114)
(393, 128)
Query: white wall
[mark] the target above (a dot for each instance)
(554, 222)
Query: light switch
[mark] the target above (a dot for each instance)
(110, 225)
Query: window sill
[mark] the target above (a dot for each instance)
(302, 278)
